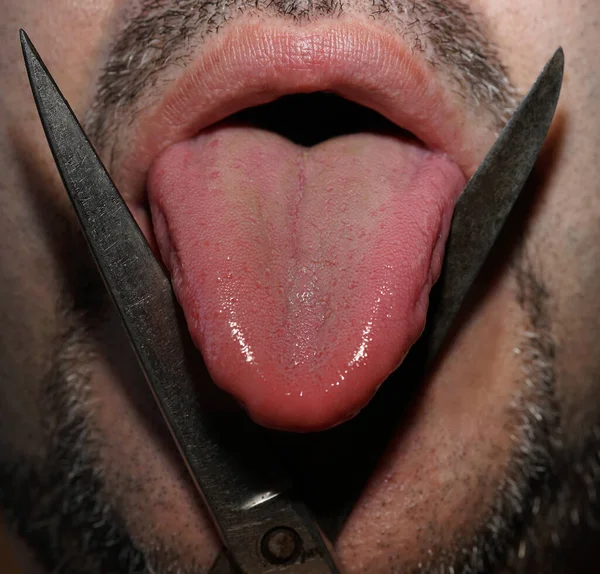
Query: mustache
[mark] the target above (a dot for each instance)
(160, 34)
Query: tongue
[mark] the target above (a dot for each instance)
(303, 273)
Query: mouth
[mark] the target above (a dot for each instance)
(301, 184)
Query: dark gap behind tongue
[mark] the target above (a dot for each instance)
(310, 119)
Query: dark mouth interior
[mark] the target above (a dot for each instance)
(309, 119)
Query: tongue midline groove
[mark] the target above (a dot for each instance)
(310, 119)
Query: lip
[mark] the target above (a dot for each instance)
(255, 62)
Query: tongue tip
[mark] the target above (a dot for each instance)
(307, 400)
(294, 423)
(303, 412)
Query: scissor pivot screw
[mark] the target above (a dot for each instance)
(282, 545)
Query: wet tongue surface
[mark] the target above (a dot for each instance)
(304, 273)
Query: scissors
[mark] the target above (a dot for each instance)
(261, 518)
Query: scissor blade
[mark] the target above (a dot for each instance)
(226, 458)
(488, 198)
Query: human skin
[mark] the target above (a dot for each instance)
(495, 465)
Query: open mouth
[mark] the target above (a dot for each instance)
(303, 213)
(311, 119)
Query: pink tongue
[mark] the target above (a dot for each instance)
(304, 274)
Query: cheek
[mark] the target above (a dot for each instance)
(527, 32)
(69, 34)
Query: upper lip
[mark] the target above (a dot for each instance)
(254, 63)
